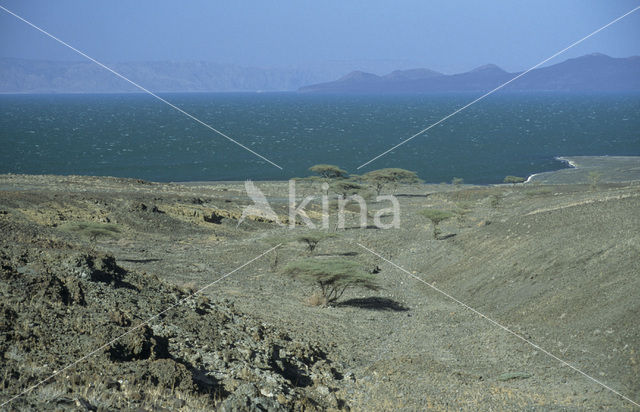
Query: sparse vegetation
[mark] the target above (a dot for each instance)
(538, 191)
(333, 276)
(92, 230)
(436, 216)
(288, 349)
(473, 194)
(391, 176)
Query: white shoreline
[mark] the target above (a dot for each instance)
(571, 164)
(610, 169)
(568, 161)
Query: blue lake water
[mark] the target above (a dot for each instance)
(135, 135)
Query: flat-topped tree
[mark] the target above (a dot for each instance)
(333, 276)
(436, 216)
(390, 176)
(328, 171)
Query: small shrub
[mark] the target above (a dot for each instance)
(333, 276)
(457, 181)
(494, 200)
(312, 239)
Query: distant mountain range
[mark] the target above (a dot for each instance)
(41, 76)
(593, 72)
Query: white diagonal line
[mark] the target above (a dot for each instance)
(146, 322)
(140, 87)
(499, 325)
(499, 87)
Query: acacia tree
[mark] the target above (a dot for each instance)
(333, 276)
(436, 216)
(328, 171)
(393, 176)
(513, 179)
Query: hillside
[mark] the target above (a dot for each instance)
(555, 263)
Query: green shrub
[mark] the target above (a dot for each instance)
(514, 179)
(333, 276)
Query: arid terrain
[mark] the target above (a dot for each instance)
(86, 259)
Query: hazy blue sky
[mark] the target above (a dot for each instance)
(449, 36)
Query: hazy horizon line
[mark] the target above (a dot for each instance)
(309, 66)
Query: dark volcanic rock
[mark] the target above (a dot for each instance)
(59, 305)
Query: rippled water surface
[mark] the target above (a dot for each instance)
(134, 135)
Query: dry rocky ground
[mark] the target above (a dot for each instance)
(86, 259)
